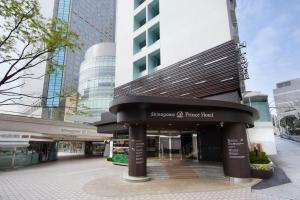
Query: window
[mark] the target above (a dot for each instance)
(139, 68)
(137, 3)
(153, 9)
(142, 44)
(139, 43)
(153, 34)
(142, 67)
(154, 61)
(140, 19)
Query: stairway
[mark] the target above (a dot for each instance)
(177, 169)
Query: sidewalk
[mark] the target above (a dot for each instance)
(286, 182)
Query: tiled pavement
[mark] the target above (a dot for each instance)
(73, 179)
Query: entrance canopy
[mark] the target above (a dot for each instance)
(159, 113)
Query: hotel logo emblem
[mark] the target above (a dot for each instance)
(179, 114)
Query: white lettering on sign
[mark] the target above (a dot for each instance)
(234, 146)
(9, 136)
(70, 130)
(139, 152)
(158, 114)
(182, 114)
(199, 115)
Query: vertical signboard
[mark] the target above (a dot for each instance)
(236, 153)
(137, 151)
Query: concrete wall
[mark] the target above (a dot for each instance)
(263, 133)
(186, 28)
(124, 43)
(190, 27)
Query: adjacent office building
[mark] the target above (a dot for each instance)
(94, 22)
(96, 82)
(287, 103)
(179, 85)
(287, 98)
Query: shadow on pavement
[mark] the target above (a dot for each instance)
(279, 178)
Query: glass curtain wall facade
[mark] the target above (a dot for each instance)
(258, 101)
(94, 22)
(55, 79)
(96, 82)
(35, 153)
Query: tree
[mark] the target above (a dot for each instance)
(291, 123)
(27, 39)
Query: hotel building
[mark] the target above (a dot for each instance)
(179, 82)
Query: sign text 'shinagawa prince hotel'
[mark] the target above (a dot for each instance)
(182, 114)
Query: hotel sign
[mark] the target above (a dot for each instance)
(180, 115)
(235, 147)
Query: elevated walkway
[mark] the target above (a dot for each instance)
(17, 131)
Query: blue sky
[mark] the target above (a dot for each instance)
(271, 29)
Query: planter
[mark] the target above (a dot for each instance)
(261, 165)
(262, 171)
(262, 174)
(270, 165)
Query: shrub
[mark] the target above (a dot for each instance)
(261, 158)
(109, 159)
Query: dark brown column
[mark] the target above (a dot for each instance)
(236, 153)
(137, 158)
(88, 148)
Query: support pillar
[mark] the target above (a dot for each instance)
(137, 157)
(88, 149)
(236, 153)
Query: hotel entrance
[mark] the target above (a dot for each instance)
(171, 147)
(185, 154)
(173, 129)
(205, 144)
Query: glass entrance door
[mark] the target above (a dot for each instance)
(170, 148)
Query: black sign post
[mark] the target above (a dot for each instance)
(137, 151)
(236, 153)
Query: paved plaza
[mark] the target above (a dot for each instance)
(95, 178)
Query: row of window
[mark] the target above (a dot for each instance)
(96, 65)
(97, 103)
(96, 83)
(90, 95)
(146, 38)
(146, 14)
(146, 64)
(99, 75)
(97, 90)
